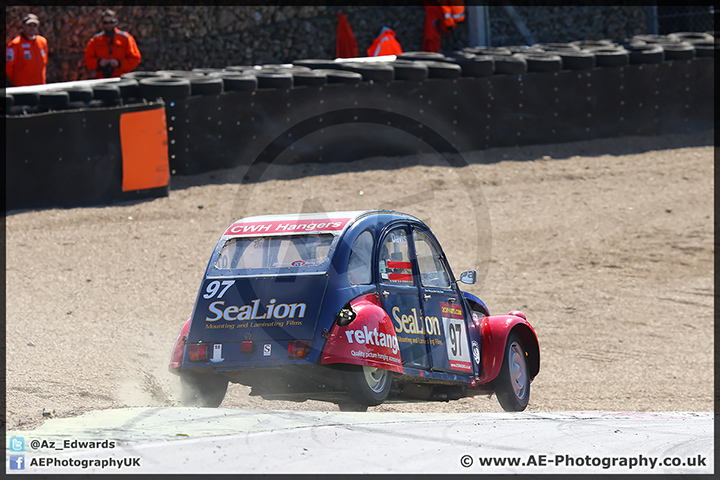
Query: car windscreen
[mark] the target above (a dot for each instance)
(291, 254)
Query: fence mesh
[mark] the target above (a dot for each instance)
(685, 19)
(524, 25)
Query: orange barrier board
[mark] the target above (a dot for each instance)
(143, 137)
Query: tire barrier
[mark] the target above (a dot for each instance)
(84, 157)
(540, 61)
(477, 98)
(167, 88)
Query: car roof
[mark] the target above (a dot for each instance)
(299, 223)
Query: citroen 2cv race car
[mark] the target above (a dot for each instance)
(353, 308)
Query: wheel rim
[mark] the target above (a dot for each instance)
(376, 378)
(518, 370)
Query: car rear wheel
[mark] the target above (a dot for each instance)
(512, 385)
(368, 386)
(200, 390)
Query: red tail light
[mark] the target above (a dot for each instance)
(198, 352)
(298, 349)
(246, 346)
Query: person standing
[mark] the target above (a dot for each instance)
(26, 56)
(111, 52)
(441, 17)
(385, 44)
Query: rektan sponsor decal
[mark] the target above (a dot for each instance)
(273, 310)
(372, 337)
(287, 226)
(414, 324)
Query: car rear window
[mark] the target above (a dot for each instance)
(274, 254)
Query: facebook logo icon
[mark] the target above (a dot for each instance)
(17, 462)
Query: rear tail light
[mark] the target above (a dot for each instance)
(198, 352)
(298, 349)
(246, 346)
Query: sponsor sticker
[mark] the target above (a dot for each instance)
(287, 226)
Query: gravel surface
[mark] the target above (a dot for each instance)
(606, 245)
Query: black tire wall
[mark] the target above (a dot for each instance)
(78, 161)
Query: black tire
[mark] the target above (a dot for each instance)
(576, 59)
(367, 386)
(409, 70)
(284, 68)
(55, 99)
(181, 73)
(167, 88)
(692, 37)
(423, 56)
(610, 57)
(318, 64)
(341, 76)
(274, 80)
(645, 53)
(238, 68)
(554, 47)
(523, 49)
(588, 44)
(80, 94)
(236, 81)
(206, 85)
(655, 38)
(509, 65)
(443, 69)
(488, 51)
(208, 71)
(140, 75)
(539, 61)
(27, 98)
(704, 49)
(310, 78)
(474, 65)
(128, 88)
(375, 72)
(202, 390)
(106, 91)
(678, 50)
(512, 385)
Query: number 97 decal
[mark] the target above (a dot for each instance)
(217, 287)
(458, 349)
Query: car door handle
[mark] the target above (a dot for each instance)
(427, 296)
(452, 300)
(385, 293)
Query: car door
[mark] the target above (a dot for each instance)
(445, 326)
(400, 297)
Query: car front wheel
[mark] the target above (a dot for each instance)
(512, 385)
(198, 390)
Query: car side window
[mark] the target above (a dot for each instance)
(359, 264)
(394, 260)
(431, 266)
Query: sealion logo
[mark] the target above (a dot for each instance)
(250, 312)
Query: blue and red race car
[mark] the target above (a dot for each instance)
(353, 308)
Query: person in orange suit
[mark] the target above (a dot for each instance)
(111, 52)
(385, 44)
(26, 56)
(441, 17)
